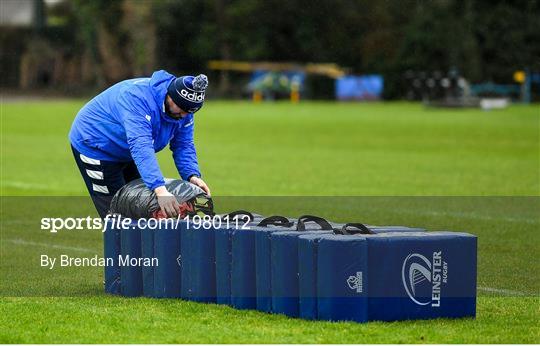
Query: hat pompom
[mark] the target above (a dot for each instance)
(200, 83)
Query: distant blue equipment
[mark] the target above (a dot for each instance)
(369, 87)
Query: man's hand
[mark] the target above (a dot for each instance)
(200, 183)
(167, 201)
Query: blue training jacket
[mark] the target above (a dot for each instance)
(128, 122)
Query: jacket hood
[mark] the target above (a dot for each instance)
(159, 82)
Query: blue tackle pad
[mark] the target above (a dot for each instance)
(224, 257)
(167, 275)
(111, 251)
(197, 252)
(263, 264)
(223, 265)
(396, 276)
(307, 266)
(131, 284)
(285, 270)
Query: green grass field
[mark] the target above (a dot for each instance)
(279, 149)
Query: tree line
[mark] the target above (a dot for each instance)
(106, 41)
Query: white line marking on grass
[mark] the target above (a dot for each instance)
(26, 186)
(54, 246)
(471, 216)
(501, 291)
(16, 222)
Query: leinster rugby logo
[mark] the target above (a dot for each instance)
(355, 282)
(422, 278)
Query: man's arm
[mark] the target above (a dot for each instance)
(184, 154)
(139, 138)
(183, 149)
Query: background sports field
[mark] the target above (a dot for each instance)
(279, 149)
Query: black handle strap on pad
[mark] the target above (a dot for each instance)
(236, 213)
(301, 225)
(276, 220)
(353, 228)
